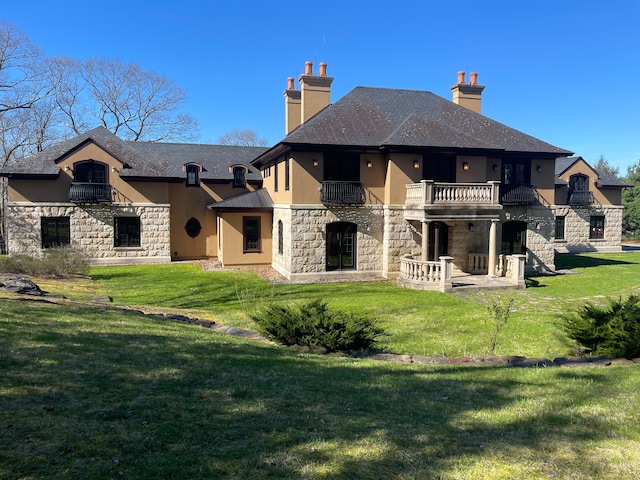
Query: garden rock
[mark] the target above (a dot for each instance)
(21, 285)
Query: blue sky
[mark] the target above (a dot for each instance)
(564, 71)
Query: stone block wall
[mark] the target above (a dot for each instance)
(399, 238)
(540, 230)
(577, 226)
(381, 239)
(91, 229)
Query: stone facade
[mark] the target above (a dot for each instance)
(399, 238)
(577, 227)
(91, 229)
(381, 239)
(540, 230)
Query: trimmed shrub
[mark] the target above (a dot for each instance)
(313, 324)
(57, 262)
(613, 330)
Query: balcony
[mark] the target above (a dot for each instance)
(581, 197)
(431, 196)
(336, 193)
(90, 193)
(520, 195)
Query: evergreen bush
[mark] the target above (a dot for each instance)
(313, 324)
(613, 330)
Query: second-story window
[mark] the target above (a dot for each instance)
(90, 172)
(515, 173)
(239, 177)
(439, 167)
(287, 172)
(342, 167)
(193, 175)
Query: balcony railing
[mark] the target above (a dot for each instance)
(582, 197)
(90, 193)
(425, 275)
(521, 195)
(342, 193)
(428, 192)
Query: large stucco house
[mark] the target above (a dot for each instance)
(123, 201)
(382, 183)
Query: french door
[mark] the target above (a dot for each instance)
(341, 246)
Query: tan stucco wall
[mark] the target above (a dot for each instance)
(231, 239)
(477, 172)
(602, 196)
(306, 179)
(400, 172)
(544, 180)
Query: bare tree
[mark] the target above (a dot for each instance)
(132, 103)
(25, 80)
(242, 137)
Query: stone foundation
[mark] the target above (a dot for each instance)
(91, 229)
(576, 229)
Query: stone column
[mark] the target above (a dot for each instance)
(436, 243)
(492, 248)
(425, 239)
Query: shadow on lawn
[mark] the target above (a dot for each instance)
(179, 403)
(569, 260)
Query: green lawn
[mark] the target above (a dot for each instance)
(425, 323)
(97, 393)
(93, 392)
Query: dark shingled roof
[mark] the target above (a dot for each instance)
(260, 199)
(147, 159)
(379, 117)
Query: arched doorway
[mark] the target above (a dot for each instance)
(438, 240)
(341, 246)
(514, 238)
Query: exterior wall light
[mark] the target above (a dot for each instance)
(315, 162)
(495, 167)
(472, 227)
(539, 168)
(369, 164)
(416, 164)
(465, 166)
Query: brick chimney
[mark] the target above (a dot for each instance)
(468, 95)
(313, 96)
(292, 107)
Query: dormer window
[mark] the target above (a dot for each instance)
(90, 171)
(90, 183)
(239, 176)
(578, 193)
(193, 175)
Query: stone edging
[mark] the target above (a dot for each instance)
(491, 361)
(496, 361)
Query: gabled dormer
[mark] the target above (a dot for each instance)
(90, 182)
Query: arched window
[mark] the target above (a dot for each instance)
(90, 171)
(280, 237)
(193, 175)
(239, 176)
(578, 193)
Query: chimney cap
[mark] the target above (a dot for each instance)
(461, 77)
(308, 68)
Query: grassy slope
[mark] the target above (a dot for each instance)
(427, 323)
(93, 393)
